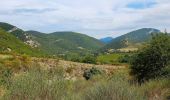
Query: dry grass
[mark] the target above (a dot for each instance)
(47, 80)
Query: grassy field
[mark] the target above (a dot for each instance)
(22, 80)
(110, 58)
(38, 84)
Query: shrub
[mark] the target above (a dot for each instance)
(91, 72)
(89, 59)
(5, 76)
(117, 88)
(125, 59)
(157, 89)
(152, 60)
(38, 84)
(17, 63)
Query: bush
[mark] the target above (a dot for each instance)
(17, 63)
(91, 72)
(89, 59)
(5, 76)
(151, 61)
(38, 84)
(125, 59)
(117, 88)
(157, 89)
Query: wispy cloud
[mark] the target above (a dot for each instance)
(96, 18)
(30, 10)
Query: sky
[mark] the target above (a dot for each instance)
(96, 18)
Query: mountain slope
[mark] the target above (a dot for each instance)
(9, 43)
(19, 33)
(54, 43)
(131, 39)
(106, 40)
(66, 42)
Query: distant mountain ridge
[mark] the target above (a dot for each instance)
(65, 42)
(131, 39)
(71, 42)
(55, 43)
(106, 40)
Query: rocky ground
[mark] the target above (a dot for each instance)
(75, 69)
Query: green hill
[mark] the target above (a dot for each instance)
(65, 42)
(55, 43)
(19, 33)
(131, 39)
(9, 43)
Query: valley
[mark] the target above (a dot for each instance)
(73, 66)
(84, 50)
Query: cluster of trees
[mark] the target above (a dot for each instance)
(125, 59)
(83, 58)
(152, 61)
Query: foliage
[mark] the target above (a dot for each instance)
(16, 63)
(157, 89)
(110, 58)
(57, 43)
(6, 26)
(91, 72)
(125, 59)
(42, 84)
(65, 42)
(5, 76)
(117, 88)
(38, 84)
(75, 57)
(151, 61)
(89, 59)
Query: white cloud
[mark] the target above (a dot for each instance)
(96, 18)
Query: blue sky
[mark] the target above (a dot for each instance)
(97, 18)
(142, 4)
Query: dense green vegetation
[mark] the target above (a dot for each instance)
(131, 39)
(6, 26)
(83, 58)
(66, 42)
(114, 58)
(58, 43)
(9, 43)
(153, 60)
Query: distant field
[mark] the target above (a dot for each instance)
(110, 58)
